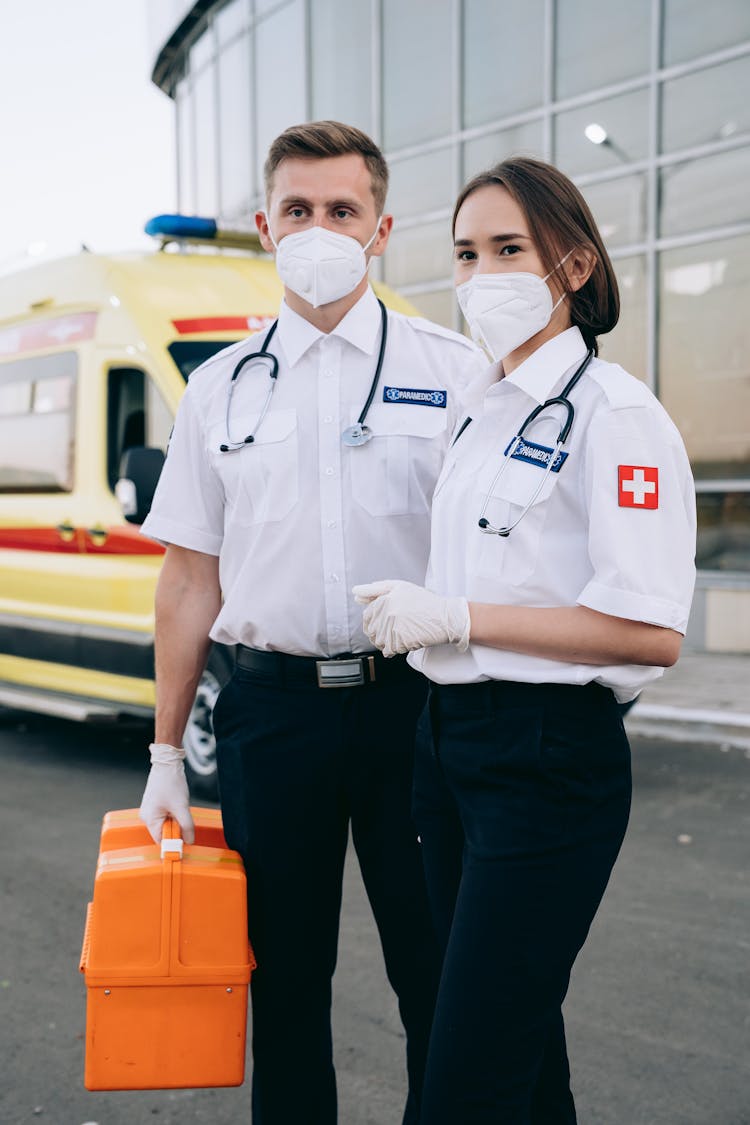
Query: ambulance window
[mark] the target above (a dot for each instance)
(37, 406)
(137, 415)
(189, 354)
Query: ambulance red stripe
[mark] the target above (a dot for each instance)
(119, 541)
(221, 324)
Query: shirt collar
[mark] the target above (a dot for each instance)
(538, 375)
(359, 327)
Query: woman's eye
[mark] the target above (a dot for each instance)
(510, 249)
(465, 256)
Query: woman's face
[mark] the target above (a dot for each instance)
(492, 236)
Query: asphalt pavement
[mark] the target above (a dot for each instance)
(657, 1012)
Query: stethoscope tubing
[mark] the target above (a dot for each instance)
(559, 400)
(354, 435)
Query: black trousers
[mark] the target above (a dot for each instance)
(521, 798)
(297, 765)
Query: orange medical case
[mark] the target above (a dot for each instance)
(166, 959)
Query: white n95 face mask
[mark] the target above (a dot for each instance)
(504, 310)
(320, 265)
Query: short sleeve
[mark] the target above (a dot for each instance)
(640, 498)
(188, 506)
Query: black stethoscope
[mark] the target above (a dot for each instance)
(559, 400)
(358, 434)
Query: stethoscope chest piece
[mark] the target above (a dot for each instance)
(358, 434)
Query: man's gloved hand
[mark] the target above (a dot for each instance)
(401, 617)
(166, 793)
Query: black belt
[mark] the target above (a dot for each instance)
(351, 670)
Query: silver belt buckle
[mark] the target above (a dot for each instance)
(341, 673)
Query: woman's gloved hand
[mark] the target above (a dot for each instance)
(166, 793)
(401, 617)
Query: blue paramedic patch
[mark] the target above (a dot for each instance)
(534, 454)
(414, 396)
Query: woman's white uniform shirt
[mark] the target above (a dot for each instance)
(613, 529)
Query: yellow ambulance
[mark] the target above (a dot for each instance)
(94, 354)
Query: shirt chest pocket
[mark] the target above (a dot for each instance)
(502, 500)
(261, 480)
(394, 474)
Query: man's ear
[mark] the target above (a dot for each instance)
(579, 267)
(385, 227)
(261, 222)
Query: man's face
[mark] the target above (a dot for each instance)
(333, 192)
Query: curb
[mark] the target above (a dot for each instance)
(724, 730)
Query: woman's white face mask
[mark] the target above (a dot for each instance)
(319, 265)
(504, 310)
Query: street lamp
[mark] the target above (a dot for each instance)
(598, 135)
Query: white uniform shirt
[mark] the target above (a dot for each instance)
(298, 518)
(613, 529)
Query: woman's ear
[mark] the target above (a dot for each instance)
(579, 267)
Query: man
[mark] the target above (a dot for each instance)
(283, 488)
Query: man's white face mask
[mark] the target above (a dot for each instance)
(319, 265)
(504, 310)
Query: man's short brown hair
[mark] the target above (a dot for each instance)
(319, 139)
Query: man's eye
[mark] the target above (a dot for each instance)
(341, 213)
(296, 212)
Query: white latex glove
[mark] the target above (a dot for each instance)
(166, 793)
(401, 617)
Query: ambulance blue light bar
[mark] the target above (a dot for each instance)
(181, 226)
(201, 231)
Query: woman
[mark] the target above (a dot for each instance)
(560, 582)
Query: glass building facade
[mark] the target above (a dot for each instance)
(646, 105)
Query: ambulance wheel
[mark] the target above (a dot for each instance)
(198, 740)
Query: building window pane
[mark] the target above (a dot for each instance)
(623, 120)
(440, 306)
(704, 371)
(520, 140)
(237, 182)
(598, 44)
(421, 183)
(204, 96)
(231, 20)
(417, 85)
(706, 193)
(723, 530)
(202, 51)
(709, 105)
(185, 148)
(500, 81)
(341, 62)
(693, 27)
(619, 207)
(421, 253)
(626, 343)
(280, 75)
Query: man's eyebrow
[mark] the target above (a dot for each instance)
(289, 199)
(303, 201)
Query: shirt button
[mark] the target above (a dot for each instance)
(329, 471)
(328, 373)
(328, 418)
(331, 523)
(334, 577)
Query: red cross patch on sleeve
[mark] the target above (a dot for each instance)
(638, 486)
